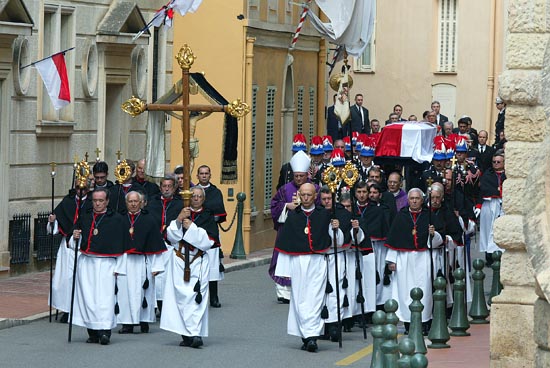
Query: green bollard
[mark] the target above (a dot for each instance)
(459, 319)
(406, 348)
(439, 333)
(415, 329)
(377, 331)
(390, 306)
(496, 286)
(419, 361)
(389, 346)
(478, 309)
(238, 246)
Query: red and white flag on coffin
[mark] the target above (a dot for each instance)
(53, 72)
(407, 140)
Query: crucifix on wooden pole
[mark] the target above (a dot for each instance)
(135, 106)
(185, 58)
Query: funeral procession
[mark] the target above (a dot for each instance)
(275, 183)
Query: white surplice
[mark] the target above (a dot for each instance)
(130, 288)
(412, 270)
(62, 280)
(180, 312)
(94, 302)
(308, 273)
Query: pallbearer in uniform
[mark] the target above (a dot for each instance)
(409, 257)
(185, 304)
(214, 203)
(305, 239)
(64, 218)
(136, 294)
(165, 207)
(102, 257)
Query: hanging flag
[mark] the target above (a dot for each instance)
(351, 23)
(165, 15)
(53, 72)
(186, 6)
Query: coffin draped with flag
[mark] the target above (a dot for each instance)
(406, 143)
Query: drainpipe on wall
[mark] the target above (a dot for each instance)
(245, 188)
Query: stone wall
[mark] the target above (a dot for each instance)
(520, 322)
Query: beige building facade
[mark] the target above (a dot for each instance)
(445, 50)
(105, 68)
(248, 58)
(520, 323)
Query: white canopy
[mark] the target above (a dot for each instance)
(351, 23)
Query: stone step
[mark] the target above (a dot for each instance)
(4, 272)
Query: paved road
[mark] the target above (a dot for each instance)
(248, 331)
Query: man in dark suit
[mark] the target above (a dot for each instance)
(360, 121)
(334, 126)
(440, 118)
(486, 152)
(465, 127)
(499, 125)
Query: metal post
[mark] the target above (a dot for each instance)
(238, 246)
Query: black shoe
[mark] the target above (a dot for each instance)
(64, 318)
(186, 341)
(104, 340)
(283, 300)
(311, 346)
(215, 303)
(488, 259)
(426, 328)
(196, 342)
(347, 323)
(144, 327)
(126, 329)
(333, 333)
(92, 340)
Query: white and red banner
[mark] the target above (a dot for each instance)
(53, 72)
(407, 140)
(165, 15)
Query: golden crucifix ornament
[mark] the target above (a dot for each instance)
(185, 59)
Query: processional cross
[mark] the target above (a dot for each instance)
(135, 106)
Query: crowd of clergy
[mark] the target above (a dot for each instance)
(130, 240)
(342, 252)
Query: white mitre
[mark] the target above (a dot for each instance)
(300, 162)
